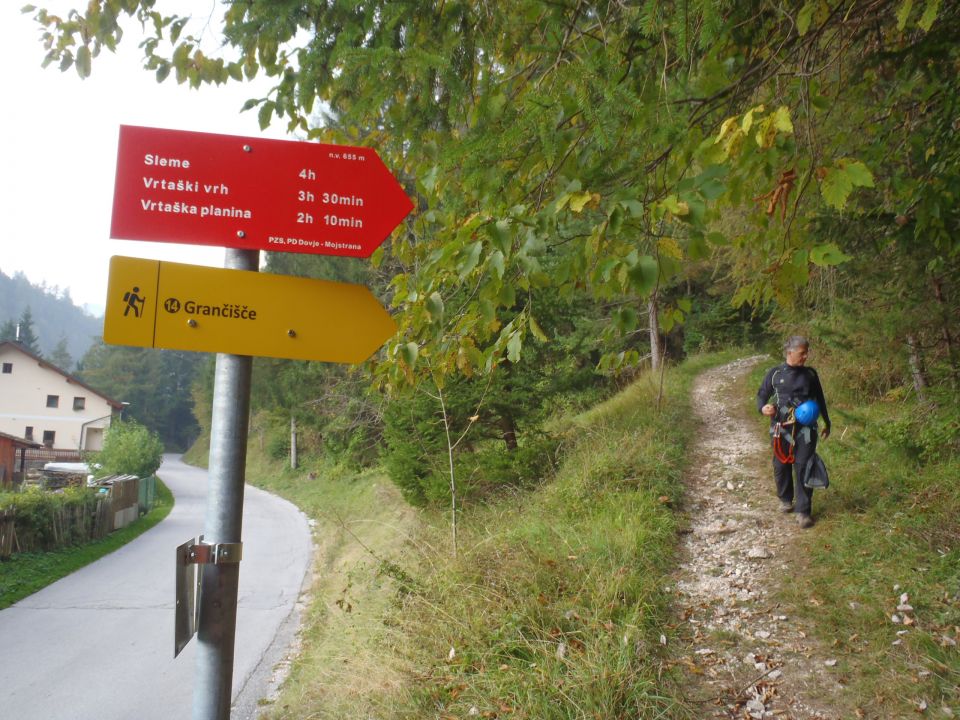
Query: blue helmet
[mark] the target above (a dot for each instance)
(807, 412)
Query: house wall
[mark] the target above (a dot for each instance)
(23, 404)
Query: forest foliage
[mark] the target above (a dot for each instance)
(60, 330)
(598, 185)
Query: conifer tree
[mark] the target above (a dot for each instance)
(27, 337)
(8, 331)
(61, 355)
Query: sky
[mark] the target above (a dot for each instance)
(58, 148)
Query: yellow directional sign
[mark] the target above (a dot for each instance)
(158, 304)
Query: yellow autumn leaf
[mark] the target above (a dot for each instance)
(747, 122)
(579, 200)
(670, 247)
(782, 121)
(724, 128)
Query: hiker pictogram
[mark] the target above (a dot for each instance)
(134, 302)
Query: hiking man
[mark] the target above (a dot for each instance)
(784, 396)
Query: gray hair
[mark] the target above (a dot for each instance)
(795, 342)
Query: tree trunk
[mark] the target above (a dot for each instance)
(293, 444)
(509, 431)
(945, 332)
(656, 342)
(916, 367)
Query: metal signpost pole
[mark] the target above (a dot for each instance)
(228, 449)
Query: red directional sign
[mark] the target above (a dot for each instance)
(253, 194)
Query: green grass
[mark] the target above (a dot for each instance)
(553, 606)
(26, 573)
(887, 525)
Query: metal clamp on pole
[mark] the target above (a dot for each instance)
(218, 554)
(190, 555)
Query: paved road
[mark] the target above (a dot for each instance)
(98, 645)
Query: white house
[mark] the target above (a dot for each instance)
(41, 402)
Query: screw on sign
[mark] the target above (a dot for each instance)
(253, 194)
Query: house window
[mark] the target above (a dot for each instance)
(53, 401)
(49, 437)
(7, 368)
(79, 403)
(28, 433)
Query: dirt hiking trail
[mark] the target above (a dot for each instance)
(746, 657)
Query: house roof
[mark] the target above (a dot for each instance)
(22, 442)
(116, 404)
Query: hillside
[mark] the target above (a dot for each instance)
(55, 316)
(649, 575)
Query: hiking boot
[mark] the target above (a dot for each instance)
(786, 506)
(804, 521)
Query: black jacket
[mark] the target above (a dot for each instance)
(786, 386)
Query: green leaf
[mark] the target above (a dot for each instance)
(804, 17)
(615, 221)
(697, 248)
(263, 117)
(903, 14)
(487, 311)
(859, 173)
(534, 245)
(499, 233)
(537, 331)
(176, 28)
(83, 61)
(469, 259)
(836, 188)
(829, 254)
(712, 189)
(434, 305)
(626, 319)
(430, 179)
(496, 263)
(606, 267)
(409, 353)
(929, 15)
(675, 206)
(513, 347)
(839, 181)
(643, 276)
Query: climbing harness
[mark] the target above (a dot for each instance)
(786, 457)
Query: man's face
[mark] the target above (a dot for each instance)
(798, 356)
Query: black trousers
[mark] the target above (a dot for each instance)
(789, 476)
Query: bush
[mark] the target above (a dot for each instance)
(49, 520)
(130, 449)
(927, 436)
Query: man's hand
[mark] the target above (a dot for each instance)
(769, 410)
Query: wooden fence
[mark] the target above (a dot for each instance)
(7, 533)
(70, 525)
